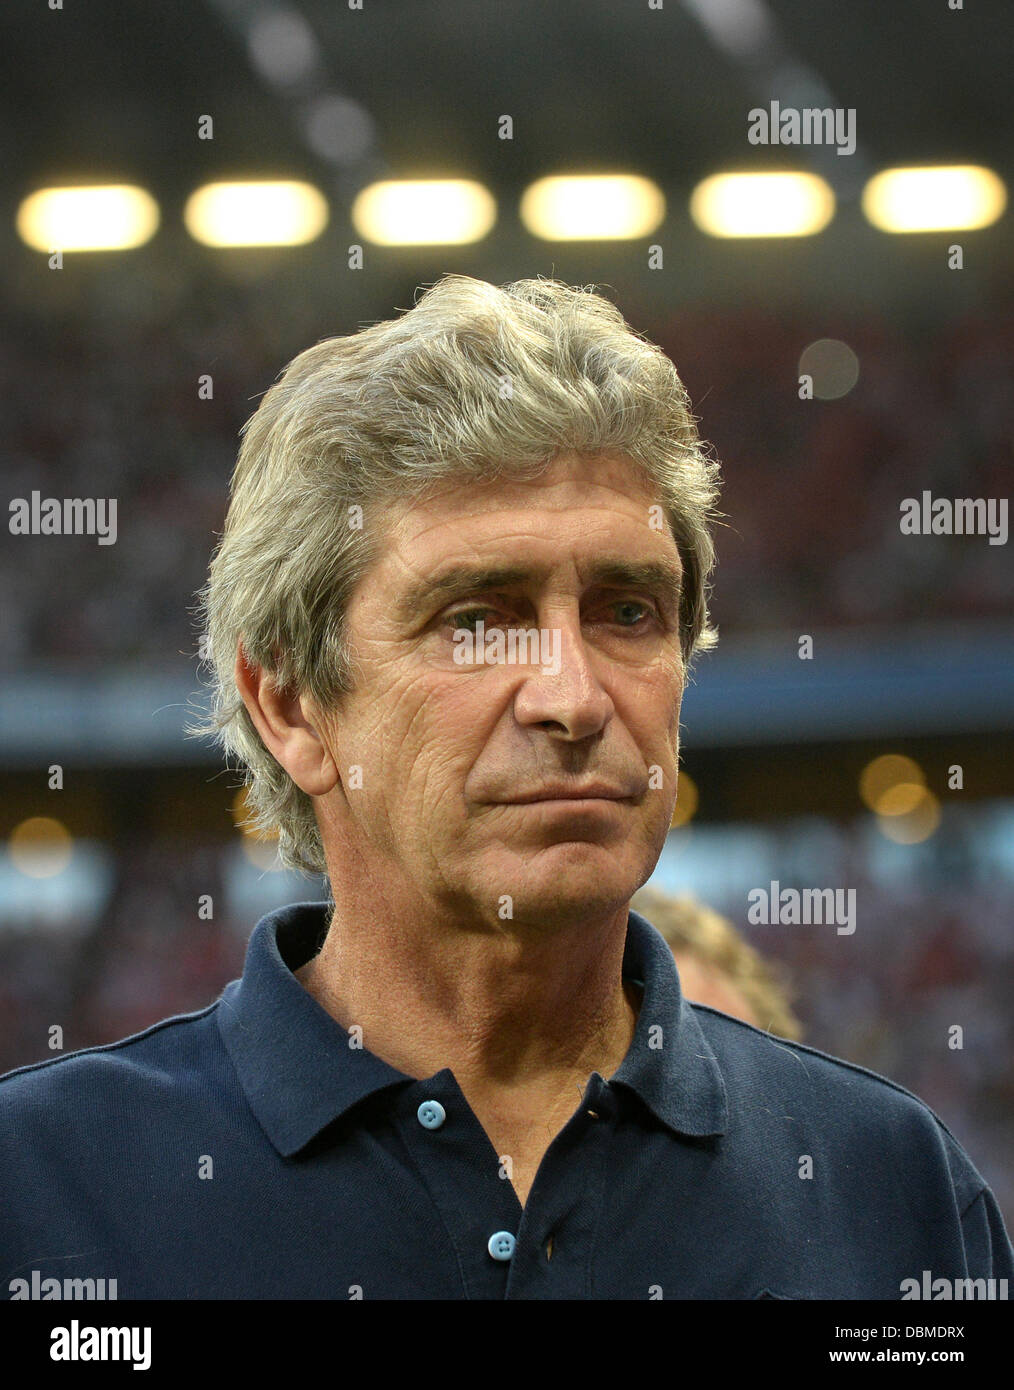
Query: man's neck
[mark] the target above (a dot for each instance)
(513, 1014)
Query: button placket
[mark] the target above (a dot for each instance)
(554, 1234)
(458, 1167)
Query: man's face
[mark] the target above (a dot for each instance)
(461, 748)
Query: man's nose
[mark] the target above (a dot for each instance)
(571, 701)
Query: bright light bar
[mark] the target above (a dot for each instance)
(103, 217)
(774, 204)
(595, 207)
(957, 197)
(285, 213)
(424, 212)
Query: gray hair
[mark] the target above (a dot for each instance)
(474, 382)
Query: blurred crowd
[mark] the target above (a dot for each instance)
(813, 488)
(107, 404)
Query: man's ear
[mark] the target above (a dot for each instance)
(288, 724)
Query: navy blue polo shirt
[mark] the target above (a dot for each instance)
(254, 1150)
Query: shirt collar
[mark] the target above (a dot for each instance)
(299, 1071)
(670, 1064)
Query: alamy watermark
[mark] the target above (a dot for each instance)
(964, 516)
(52, 1288)
(514, 646)
(67, 516)
(813, 125)
(943, 1288)
(77, 1343)
(806, 907)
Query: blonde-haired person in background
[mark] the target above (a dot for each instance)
(717, 967)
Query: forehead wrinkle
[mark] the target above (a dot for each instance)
(477, 574)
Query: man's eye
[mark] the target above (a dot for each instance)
(624, 607)
(466, 618)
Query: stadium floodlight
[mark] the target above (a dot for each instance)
(592, 207)
(775, 204)
(424, 212)
(258, 213)
(97, 217)
(956, 197)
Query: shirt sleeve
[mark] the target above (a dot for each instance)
(988, 1251)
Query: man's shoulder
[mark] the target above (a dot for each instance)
(157, 1058)
(823, 1093)
(752, 1053)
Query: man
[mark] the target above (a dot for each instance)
(463, 575)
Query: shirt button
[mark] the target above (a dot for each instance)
(501, 1245)
(431, 1114)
